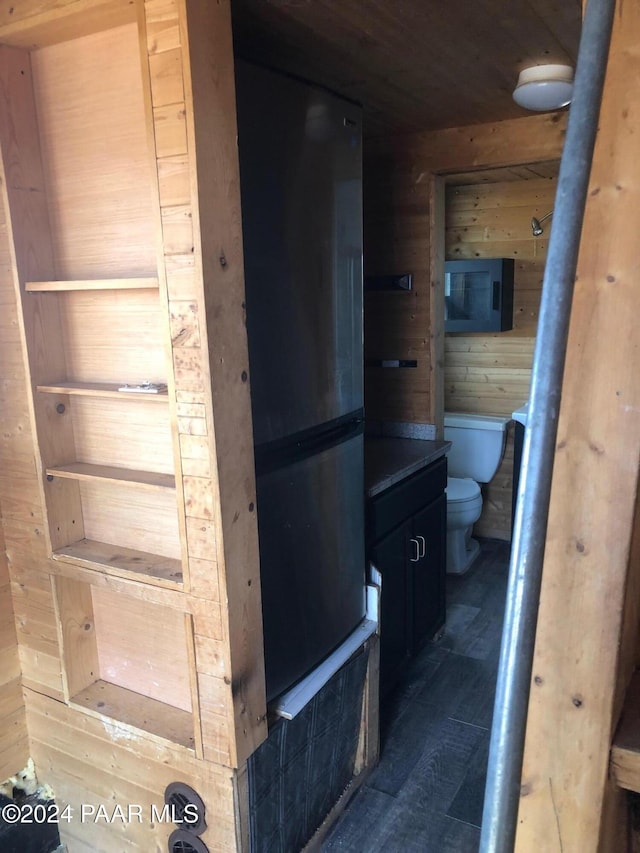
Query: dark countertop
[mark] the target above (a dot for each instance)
(389, 460)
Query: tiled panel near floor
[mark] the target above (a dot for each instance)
(426, 794)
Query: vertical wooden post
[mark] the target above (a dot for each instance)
(217, 234)
(571, 710)
(436, 305)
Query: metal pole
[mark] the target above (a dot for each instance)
(502, 791)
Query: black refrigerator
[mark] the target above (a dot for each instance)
(301, 186)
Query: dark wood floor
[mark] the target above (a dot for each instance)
(426, 793)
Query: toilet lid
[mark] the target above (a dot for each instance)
(459, 489)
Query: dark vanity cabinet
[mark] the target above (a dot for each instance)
(407, 541)
(427, 573)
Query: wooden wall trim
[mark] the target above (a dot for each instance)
(593, 493)
(217, 232)
(436, 306)
(158, 33)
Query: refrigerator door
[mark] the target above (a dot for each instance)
(301, 176)
(312, 566)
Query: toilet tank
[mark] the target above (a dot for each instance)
(477, 443)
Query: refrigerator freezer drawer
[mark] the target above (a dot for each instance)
(312, 566)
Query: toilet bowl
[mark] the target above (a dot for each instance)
(476, 450)
(464, 505)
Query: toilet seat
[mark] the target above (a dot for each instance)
(461, 489)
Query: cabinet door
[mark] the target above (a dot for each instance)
(427, 573)
(390, 556)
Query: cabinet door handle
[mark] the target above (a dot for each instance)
(417, 556)
(422, 541)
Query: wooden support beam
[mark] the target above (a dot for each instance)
(591, 517)
(481, 146)
(436, 303)
(217, 236)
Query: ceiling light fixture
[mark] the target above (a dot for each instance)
(544, 87)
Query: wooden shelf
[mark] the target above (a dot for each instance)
(625, 751)
(92, 284)
(99, 389)
(138, 711)
(127, 659)
(123, 562)
(109, 474)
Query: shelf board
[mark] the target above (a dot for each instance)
(99, 389)
(140, 712)
(123, 562)
(109, 474)
(625, 750)
(93, 284)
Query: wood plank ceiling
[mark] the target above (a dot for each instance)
(413, 64)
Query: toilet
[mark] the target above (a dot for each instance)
(477, 445)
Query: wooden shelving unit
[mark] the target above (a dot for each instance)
(108, 455)
(141, 677)
(95, 322)
(108, 464)
(137, 561)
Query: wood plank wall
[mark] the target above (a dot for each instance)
(397, 324)
(399, 197)
(490, 373)
(100, 764)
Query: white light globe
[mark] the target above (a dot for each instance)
(544, 87)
